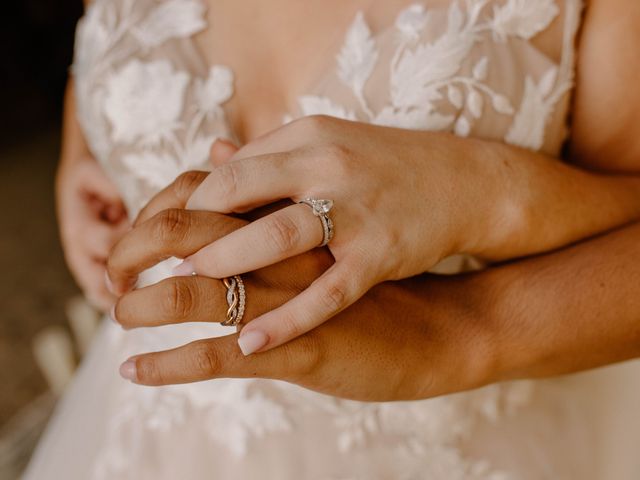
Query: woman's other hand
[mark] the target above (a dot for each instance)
(396, 343)
(399, 209)
(92, 219)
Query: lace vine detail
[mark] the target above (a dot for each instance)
(144, 113)
(426, 78)
(144, 103)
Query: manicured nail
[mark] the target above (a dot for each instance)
(185, 269)
(128, 370)
(109, 283)
(252, 341)
(112, 315)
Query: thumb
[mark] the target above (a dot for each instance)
(221, 152)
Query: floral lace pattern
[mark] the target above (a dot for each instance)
(150, 108)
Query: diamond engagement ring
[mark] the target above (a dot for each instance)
(321, 209)
(236, 297)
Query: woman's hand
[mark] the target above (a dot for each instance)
(397, 211)
(403, 201)
(396, 343)
(92, 218)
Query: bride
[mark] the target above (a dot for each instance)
(402, 138)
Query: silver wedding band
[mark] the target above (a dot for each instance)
(236, 298)
(321, 209)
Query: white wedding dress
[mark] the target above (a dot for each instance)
(150, 108)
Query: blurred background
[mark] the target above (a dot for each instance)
(36, 42)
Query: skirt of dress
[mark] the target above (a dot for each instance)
(583, 426)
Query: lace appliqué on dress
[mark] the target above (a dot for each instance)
(428, 90)
(148, 118)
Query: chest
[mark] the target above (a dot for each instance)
(278, 50)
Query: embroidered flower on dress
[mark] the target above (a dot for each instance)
(215, 90)
(538, 101)
(523, 18)
(145, 101)
(357, 58)
(411, 21)
(170, 19)
(316, 105)
(160, 167)
(435, 83)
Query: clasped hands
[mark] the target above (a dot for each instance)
(325, 318)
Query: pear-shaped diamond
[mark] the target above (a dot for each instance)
(323, 206)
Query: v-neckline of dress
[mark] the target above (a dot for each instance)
(408, 10)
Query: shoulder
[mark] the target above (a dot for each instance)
(606, 115)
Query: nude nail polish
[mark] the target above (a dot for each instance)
(185, 269)
(112, 315)
(252, 341)
(128, 370)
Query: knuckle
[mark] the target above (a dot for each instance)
(337, 159)
(187, 182)
(316, 123)
(147, 371)
(283, 232)
(335, 297)
(227, 179)
(291, 327)
(171, 223)
(337, 152)
(206, 360)
(180, 299)
(303, 357)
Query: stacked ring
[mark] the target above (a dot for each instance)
(236, 297)
(321, 209)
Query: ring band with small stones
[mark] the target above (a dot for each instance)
(321, 209)
(236, 298)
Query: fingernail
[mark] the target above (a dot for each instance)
(252, 341)
(109, 283)
(128, 370)
(112, 315)
(185, 269)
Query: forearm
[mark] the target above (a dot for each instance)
(531, 203)
(572, 310)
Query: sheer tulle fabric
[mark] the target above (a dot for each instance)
(150, 108)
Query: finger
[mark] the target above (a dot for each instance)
(174, 300)
(99, 238)
(221, 152)
(115, 214)
(332, 292)
(243, 185)
(220, 358)
(171, 233)
(96, 182)
(98, 295)
(283, 234)
(186, 299)
(288, 137)
(89, 273)
(173, 196)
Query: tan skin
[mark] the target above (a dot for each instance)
(405, 340)
(312, 360)
(258, 106)
(508, 341)
(91, 215)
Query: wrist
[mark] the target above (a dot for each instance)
(494, 212)
(454, 311)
